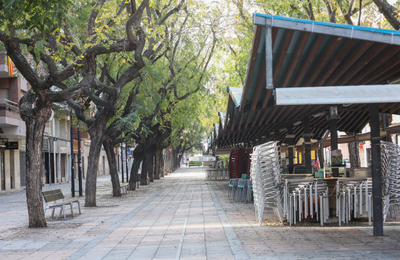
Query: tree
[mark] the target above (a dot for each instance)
(147, 21)
(178, 75)
(31, 35)
(390, 12)
(59, 59)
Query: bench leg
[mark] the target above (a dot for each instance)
(52, 214)
(63, 209)
(72, 210)
(79, 207)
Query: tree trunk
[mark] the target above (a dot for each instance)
(112, 163)
(174, 159)
(321, 156)
(169, 161)
(179, 160)
(354, 154)
(93, 165)
(390, 12)
(35, 124)
(158, 174)
(137, 159)
(385, 120)
(145, 168)
(166, 163)
(151, 166)
(162, 166)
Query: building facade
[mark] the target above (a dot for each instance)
(56, 142)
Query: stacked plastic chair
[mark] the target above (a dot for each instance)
(351, 196)
(266, 180)
(239, 162)
(236, 163)
(390, 161)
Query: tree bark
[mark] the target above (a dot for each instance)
(35, 124)
(321, 156)
(168, 161)
(112, 163)
(158, 174)
(165, 170)
(151, 166)
(390, 12)
(354, 154)
(162, 165)
(137, 160)
(93, 164)
(145, 169)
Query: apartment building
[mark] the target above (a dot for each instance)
(12, 129)
(56, 142)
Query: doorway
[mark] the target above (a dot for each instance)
(49, 167)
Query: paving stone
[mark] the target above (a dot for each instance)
(181, 216)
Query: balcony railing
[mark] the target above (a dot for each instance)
(6, 104)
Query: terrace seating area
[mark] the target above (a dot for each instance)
(298, 197)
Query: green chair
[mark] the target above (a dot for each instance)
(233, 184)
(249, 194)
(240, 195)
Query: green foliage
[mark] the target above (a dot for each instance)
(224, 159)
(37, 15)
(176, 83)
(195, 163)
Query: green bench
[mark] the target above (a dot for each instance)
(55, 199)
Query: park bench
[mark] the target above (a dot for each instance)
(55, 199)
(124, 188)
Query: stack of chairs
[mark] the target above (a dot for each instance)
(390, 161)
(236, 163)
(305, 197)
(351, 196)
(266, 180)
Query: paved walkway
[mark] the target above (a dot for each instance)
(182, 216)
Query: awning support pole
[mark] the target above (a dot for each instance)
(307, 142)
(376, 169)
(333, 119)
(268, 58)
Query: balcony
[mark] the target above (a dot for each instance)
(10, 119)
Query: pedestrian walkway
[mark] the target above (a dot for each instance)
(182, 216)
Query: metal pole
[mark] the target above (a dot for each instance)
(79, 164)
(334, 142)
(122, 163)
(269, 57)
(72, 158)
(49, 151)
(126, 160)
(53, 133)
(376, 169)
(307, 142)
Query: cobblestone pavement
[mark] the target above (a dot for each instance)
(182, 216)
